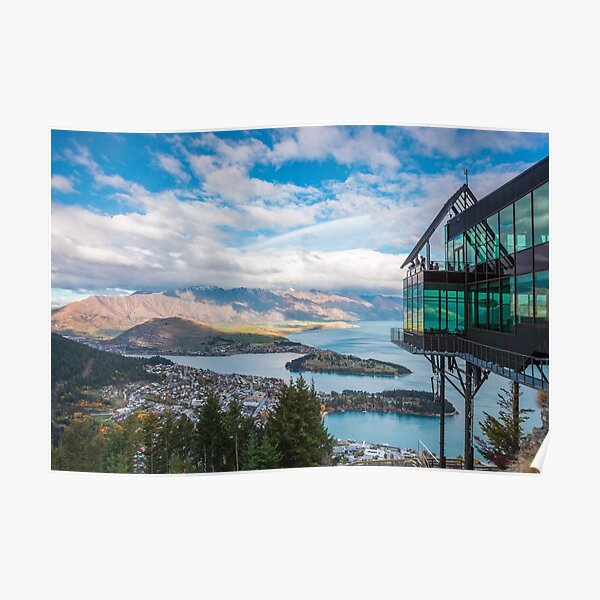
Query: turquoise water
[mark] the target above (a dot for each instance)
(371, 340)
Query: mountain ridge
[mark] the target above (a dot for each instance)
(107, 316)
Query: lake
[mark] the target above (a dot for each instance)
(371, 340)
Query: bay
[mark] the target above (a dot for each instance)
(371, 339)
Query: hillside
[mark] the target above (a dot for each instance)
(72, 362)
(178, 335)
(108, 316)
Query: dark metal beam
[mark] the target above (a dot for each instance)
(464, 188)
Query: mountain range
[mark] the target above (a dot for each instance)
(276, 311)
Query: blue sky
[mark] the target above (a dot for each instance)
(332, 208)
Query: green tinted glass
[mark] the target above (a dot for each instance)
(525, 298)
(507, 234)
(542, 293)
(541, 219)
(523, 223)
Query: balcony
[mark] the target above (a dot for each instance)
(529, 370)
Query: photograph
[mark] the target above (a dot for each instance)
(277, 298)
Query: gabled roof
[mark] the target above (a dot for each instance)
(459, 201)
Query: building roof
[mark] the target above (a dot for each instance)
(462, 199)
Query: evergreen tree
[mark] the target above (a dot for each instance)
(210, 436)
(153, 454)
(237, 431)
(260, 453)
(295, 428)
(183, 433)
(115, 450)
(505, 433)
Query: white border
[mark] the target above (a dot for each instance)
(311, 533)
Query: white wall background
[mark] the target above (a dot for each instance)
(374, 533)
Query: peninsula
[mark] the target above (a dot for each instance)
(327, 361)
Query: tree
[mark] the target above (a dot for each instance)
(210, 436)
(505, 433)
(115, 458)
(81, 448)
(295, 428)
(153, 451)
(260, 453)
(237, 430)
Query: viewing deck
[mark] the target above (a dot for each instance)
(530, 371)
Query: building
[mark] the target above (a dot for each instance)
(487, 302)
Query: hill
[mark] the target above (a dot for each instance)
(76, 363)
(107, 316)
(178, 335)
(327, 361)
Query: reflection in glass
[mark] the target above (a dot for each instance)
(525, 298)
(494, 235)
(507, 298)
(470, 246)
(541, 215)
(541, 296)
(494, 305)
(482, 305)
(523, 225)
(507, 235)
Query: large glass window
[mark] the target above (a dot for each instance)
(472, 304)
(451, 310)
(481, 244)
(541, 296)
(460, 323)
(470, 246)
(541, 215)
(431, 311)
(459, 252)
(482, 305)
(525, 298)
(523, 224)
(494, 305)
(450, 255)
(494, 235)
(507, 234)
(507, 298)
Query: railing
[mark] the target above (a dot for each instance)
(529, 370)
(492, 265)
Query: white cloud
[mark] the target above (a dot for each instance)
(456, 143)
(345, 145)
(62, 184)
(172, 165)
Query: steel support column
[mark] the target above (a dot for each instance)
(469, 462)
(442, 370)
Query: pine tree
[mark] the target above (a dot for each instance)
(295, 428)
(260, 453)
(237, 431)
(505, 433)
(209, 438)
(151, 443)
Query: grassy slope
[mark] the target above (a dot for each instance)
(178, 334)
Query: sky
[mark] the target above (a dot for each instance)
(329, 208)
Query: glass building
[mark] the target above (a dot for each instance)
(492, 288)
(484, 308)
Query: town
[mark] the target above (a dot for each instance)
(181, 390)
